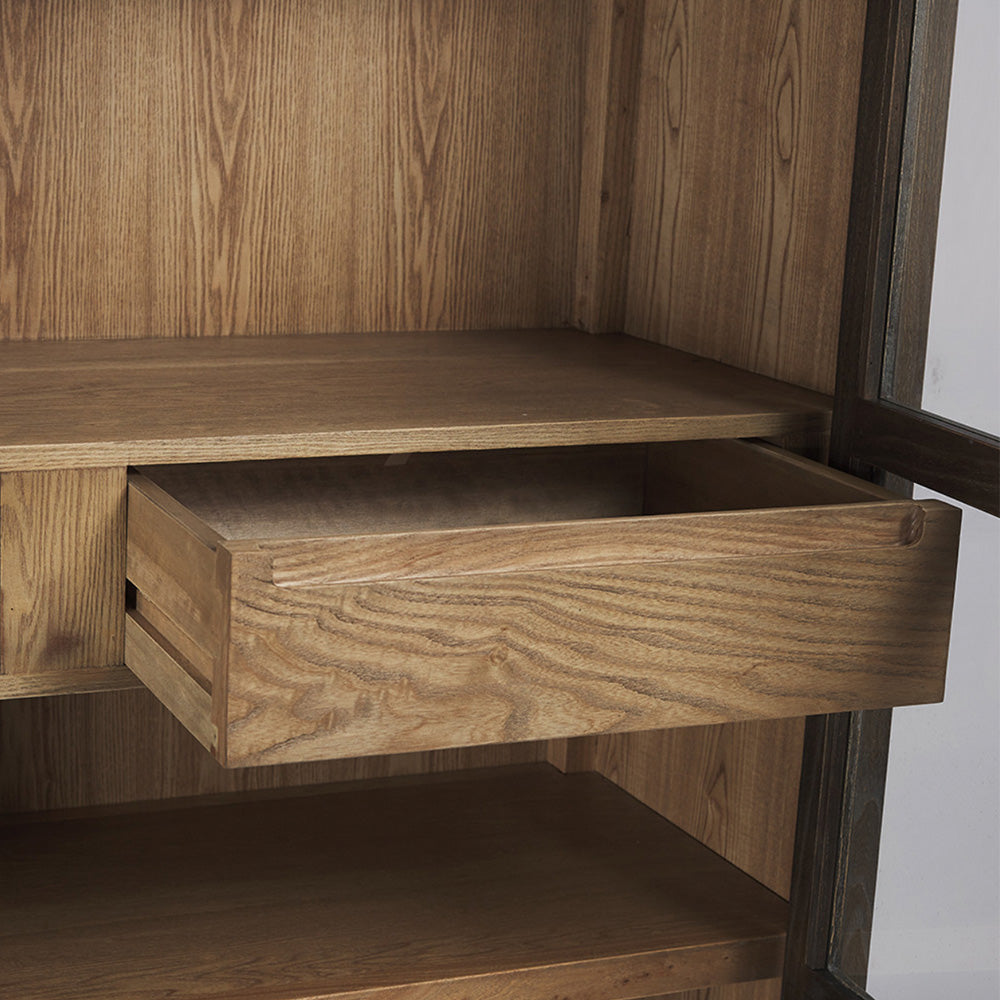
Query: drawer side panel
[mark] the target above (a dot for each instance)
(164, 671)
(173, 566)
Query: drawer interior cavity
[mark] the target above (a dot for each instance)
(381, 494)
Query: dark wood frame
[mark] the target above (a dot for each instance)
(899, 155)
(899, 152)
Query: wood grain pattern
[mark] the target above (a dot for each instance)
(769, 989)
(182, 573)
(162, 669)
(190, 169)
(62, 570)
(424, 639)
(523, 883)
(663, 105)
(717, 268)
(614, 39)
(739, 475)
(428, 555)
(124, 747)
(734, 787)
(175, 557)
(357, 519)
(269, 397)
(179, 169)
(743, 170)
(421, 664)
(74, 207)
(444, 106)
(79, 680)
(380, 494)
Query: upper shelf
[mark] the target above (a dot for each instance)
(73, 404)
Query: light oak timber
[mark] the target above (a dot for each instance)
(522, 882)
(308, 563)
(182, 571)
(276, 168)
(258, 398)
(511, 667)
(733, 786)
(198, 660)
(162, 670)
(390, 494)
(124, 747)
(744, 157)
(426, 639)
(737, 475)
(742, 185)
(178, 559)
(410, 516)
(236, 111)
(62, 571)
(614, 40)
(79, 680)
(769, 989)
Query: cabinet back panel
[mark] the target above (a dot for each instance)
(178, 168)
(124, 746)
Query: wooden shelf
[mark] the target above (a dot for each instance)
(519, 882)
(93, 403)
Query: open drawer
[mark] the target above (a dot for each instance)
(298, 610)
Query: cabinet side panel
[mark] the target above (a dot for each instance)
(743, 177)
(62, 572)
(191, 169)
(124, 746)
(734, 787)
(742, 183)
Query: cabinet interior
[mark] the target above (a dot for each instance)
(190, 191)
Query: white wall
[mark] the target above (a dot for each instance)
(937, 914)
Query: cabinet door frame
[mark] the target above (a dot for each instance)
(899, 156)
(899, 150)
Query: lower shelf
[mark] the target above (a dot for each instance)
(520, 882)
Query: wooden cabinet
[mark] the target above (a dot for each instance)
(397, 575)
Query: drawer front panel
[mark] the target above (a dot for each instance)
(394, 665)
